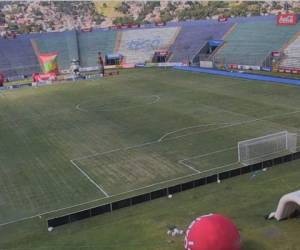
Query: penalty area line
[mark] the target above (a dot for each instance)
(90, 179)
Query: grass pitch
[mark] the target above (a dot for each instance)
(95, 141)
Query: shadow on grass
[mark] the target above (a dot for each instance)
(252, 245)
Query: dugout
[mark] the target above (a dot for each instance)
(160, 56)
(113, 59)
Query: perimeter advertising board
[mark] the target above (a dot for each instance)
(287, 19)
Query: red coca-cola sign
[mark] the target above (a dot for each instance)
(287, 19)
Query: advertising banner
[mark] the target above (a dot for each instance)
(37, 77)
(48, 62)
(249, 67)
(287, 19)
(269, 69)
(206, 64)
(276, 53)
(289, 70)
(222, 18)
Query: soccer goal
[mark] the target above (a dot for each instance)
(266, 147)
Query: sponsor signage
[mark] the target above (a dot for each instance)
(39, 77)
(289, 70)
(222, 18)
(233, 66)
(166, 64)
(249, 67)
(159, 24)
(276, 53)
(206, 64)
(266, 69)
(287, 19)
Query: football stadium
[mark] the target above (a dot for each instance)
(166, 135)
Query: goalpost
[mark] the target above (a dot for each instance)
(266, 147)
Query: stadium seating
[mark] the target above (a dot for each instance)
(138, 46)
(63, 42)
(17, 57)
(90, 43)
(292, 54)
(250, 43)
(194, 36)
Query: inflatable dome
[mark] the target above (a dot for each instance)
(212, 232)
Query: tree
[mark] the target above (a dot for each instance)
(165, 16)
(124, 20)
(239, 10)
(98, 18)
(123, 8)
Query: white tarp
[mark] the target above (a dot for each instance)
(287, 206)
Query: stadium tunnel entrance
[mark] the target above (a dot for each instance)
(113, 59)
(161, 56)
(208, 50)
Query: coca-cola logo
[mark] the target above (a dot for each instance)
(286, 19)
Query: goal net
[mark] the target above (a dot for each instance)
(266, 147)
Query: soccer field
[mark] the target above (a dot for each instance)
(75, 145)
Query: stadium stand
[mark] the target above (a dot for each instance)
(90, 43)
(250, 43)
(17, 57)
(194, 36)
(292, 54)
(138, 46)
(65, 43)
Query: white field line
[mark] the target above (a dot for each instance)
(90, 179)
(234, 124)
(220, 167)
(143, 144)
(189, 166)
(186, 128)
(210, 153)
(156, 99)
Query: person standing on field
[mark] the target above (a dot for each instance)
(2, 78)
(101, 63)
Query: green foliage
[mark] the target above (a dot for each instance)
(239, 10)
(123, 8)
(148, 9)
(13, 26)
(296, 10)
(98, 18)
(125, 20)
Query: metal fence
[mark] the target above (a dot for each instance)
(163, 192)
